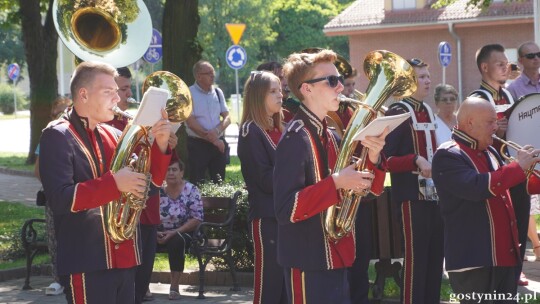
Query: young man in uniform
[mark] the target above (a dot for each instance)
(76, 153)
(409, 150)
(304, 186)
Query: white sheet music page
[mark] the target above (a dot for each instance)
(149, 112)
(376, 127)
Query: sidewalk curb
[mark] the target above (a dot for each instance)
(9, 171)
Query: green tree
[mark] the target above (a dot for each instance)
(300, 25)
(12, 47)
(480, 3)
(215, 39)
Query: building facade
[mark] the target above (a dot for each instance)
(411, 28)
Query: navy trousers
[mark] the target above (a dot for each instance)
(204, 156)
(317, 286)
(269, 276)
(110, 286)
(358, 273)
(143, 273)
(424, 252)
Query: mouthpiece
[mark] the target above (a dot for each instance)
(117, 110)
(132, 100)
(343, 98)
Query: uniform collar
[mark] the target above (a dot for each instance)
(414, 103)
(311, 120)
(496, 93)
(464, 139)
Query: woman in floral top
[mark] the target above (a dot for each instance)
(181, 211)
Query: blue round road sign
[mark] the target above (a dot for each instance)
(155, 51)
(445, 53)
(13, 71)
(236, 57)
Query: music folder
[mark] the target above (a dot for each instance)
(149, 112)
(376, 127)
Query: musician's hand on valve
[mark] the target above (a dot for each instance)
(161, 131)
(424, 166)
(527, 156)
(375, 145)
(350, 179)
(129, 181)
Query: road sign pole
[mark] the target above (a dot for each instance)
(237, 98)
(14, 98)
(444, 75)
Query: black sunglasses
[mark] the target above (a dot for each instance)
(332, 80)
(531, 55)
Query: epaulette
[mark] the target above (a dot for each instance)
(55, 122)
(447, 145)
(295, 126)
(398, 106)
(244, 129)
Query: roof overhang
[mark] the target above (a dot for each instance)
(406, 27)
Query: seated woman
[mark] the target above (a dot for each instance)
(181, 211)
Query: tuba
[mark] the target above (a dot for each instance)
(389, 74)
(133, 150)
(117, 32)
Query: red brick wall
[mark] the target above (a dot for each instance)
(423, 43)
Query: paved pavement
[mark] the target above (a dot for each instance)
(10, 292)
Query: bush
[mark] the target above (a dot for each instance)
(242, 250)
(6, 99)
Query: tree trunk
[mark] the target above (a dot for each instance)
(181, 50)
(40, 44)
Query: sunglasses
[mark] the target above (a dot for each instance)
(332, 80)
(531, 55)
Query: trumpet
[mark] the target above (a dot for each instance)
(508, 158)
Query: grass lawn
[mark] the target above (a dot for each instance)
(15, 160)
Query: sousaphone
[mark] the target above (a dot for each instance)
(117, 32)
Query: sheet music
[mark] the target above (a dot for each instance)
(149, 112)
(376, 127)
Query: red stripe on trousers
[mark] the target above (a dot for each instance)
(408, 261)
(297, 286)
(258, 248)
(77, 288)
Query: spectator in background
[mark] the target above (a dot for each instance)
(446, 103)
(181, 212)
(206, 127)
